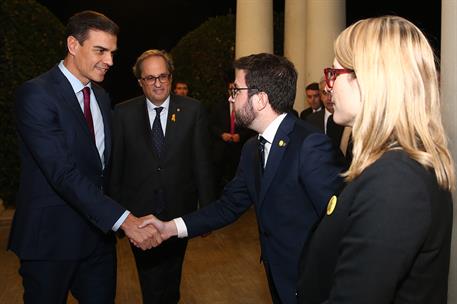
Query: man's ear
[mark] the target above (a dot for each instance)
(72, 45)
(140, 83)
(261, 100)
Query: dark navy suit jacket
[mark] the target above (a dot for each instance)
(61, 211)
(301, 174)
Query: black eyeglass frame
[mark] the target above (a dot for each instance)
(151, 80)
(234, 91)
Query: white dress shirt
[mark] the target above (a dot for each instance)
(326, 116)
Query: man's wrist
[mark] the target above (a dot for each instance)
(181, 228)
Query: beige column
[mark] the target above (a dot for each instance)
(449, 111)
(310, 28)
(295, 44)
(254, 27)
(325, 20)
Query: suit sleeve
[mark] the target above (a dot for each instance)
(321, 167)
(234, 201)
(39, 128)
(388, 223)
(202, 158)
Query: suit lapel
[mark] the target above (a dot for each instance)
(278, 147)
(174, 111)
(257, 170)
(64, 88)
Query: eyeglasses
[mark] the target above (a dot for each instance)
(330, 75)
(151, 80)
(234, 91)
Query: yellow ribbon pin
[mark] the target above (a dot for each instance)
(282, 143)
(173, 117)
(331, 205)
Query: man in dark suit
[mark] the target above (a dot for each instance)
(323, 120)
(288, 172)
(313, 100)
(161, 165)
(61, 228)
(228, 139)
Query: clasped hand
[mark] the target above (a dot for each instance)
(148, 231)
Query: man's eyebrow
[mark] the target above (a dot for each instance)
(102, 48)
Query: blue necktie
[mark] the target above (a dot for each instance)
(158, 140)
(261, 147)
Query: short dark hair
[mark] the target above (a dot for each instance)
(180, 81)
(80, 23)
(312, 86)
(272, 74)
(149, 53)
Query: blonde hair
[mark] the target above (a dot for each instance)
(400, 103)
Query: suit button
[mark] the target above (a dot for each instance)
(158, 169)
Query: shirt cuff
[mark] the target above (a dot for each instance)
(181, 227)
(120, 221)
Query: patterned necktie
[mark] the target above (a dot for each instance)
(158, 139)
(261, 148)
(87, 112)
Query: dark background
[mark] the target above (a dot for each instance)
(161, 24)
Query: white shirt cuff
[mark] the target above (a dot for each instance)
(120, 221)
(181, 227)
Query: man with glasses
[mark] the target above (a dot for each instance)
(289, 172)
(160, 165)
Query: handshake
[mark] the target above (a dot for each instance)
(148, 231)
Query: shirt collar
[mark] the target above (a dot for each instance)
(76, 84)
(270, 131)
(165, 105)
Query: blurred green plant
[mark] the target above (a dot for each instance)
(31, 42)
(204, 57)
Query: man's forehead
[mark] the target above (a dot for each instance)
(240, 77)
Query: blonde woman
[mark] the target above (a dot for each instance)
(386, 238)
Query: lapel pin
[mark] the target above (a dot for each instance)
(331, 205)
(178, 109)
(173, 117)
(282, 143)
